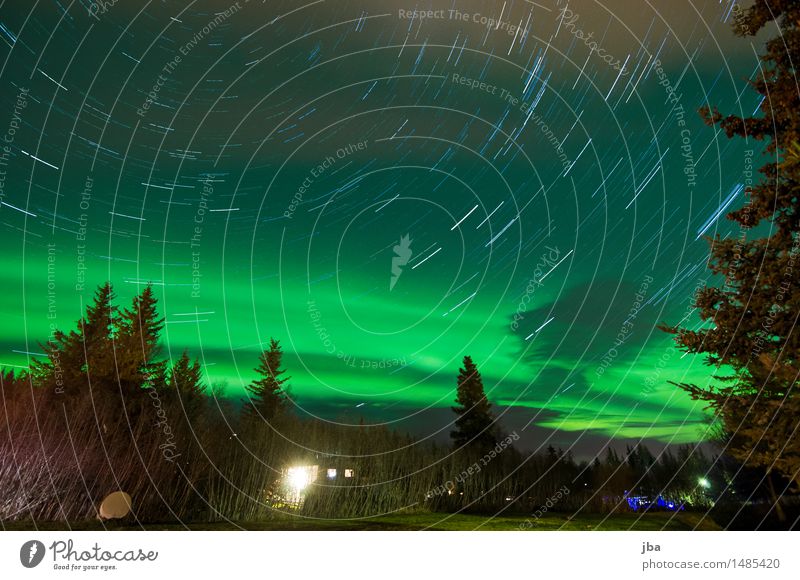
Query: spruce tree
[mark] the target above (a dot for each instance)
(752, 316)
(474, 425)
(185, 378)
(100, 324)
(83, 357)
(137, 344)
(96, 335)
(267, 397)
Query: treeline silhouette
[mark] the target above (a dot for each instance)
(104, 411)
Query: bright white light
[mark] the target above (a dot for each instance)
(298, 478)
(331, 473)
(704, 483)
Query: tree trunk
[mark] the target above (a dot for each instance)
(776, 501)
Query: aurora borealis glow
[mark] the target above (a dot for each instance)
(262, 179)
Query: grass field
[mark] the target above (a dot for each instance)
(416, 521)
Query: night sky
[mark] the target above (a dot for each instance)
(260, 163)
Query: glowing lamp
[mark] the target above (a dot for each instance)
(298, 478)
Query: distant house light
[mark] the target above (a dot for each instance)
(331, 473)
(348, 473)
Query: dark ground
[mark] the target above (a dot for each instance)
(411, 522)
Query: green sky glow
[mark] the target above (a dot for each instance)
(232, 269)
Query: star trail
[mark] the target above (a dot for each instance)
(385, 187)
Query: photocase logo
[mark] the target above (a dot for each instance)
(31, 553)
(402, 255)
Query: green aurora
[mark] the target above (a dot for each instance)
(200, 195)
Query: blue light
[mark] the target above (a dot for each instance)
(640, 501)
